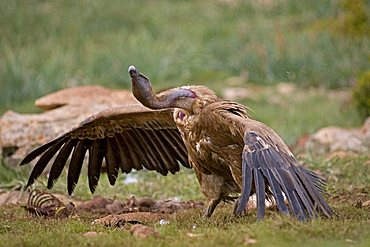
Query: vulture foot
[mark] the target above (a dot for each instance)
(212, 204)
(238, 212)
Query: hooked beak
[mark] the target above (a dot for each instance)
(141, 87)
(136, 75)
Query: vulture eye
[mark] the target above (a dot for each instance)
(181, 115)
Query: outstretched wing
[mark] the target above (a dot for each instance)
(268, 168)
(129, 137)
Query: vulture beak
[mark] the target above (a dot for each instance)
(142, 88)
(172, 98)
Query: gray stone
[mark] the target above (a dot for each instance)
(336, 139)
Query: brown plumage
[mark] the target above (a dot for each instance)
(229, 152)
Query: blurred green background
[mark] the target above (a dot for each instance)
(49, 45)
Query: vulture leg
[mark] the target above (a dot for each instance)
(215, 188)
(212, 204)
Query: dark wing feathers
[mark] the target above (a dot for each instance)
(96, 154)
(126, 157)
(151, 163)
(38, 151)
(259, 184)
(132, 150)
(158, 156)
(164, 153)
(129, 137)
(77, 159)
(247, 181)
(60, 161)
(315, 186)
(181, 154)
(276, 191)
(44, 160)
(112, 163)
(278, 171)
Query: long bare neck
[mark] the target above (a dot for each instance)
(173, 98)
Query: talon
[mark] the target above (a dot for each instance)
(207, 214)
(212, 204)
(239, 211)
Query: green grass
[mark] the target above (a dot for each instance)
(48, 45)
(270, 232)
(348, 181)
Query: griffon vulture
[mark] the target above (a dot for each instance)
(189, 126)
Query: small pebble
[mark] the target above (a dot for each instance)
(90, 234)
(164, 222)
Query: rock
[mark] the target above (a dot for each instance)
(335, 139)
(274, 94)
(194, 235)
(236, 93)
(366, 204)
(250, 241)
(285, 88)
(143, 231)
(91, 234)
(85, 95)
(20, 133)
(252, 92)
(12, 197)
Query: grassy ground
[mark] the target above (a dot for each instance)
(348, 183)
